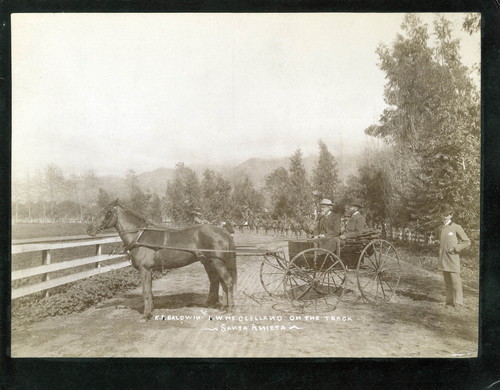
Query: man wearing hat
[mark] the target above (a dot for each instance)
(328, 227)
(453, 240)
(356, 224)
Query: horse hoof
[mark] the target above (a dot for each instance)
(216, 305)
(227, 309)
(146, 317)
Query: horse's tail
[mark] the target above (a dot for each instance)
(231, 263)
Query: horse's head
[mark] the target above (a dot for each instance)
(104, 220)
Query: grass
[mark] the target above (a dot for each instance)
(34, 259)
(42, 230)
(426, 257)
(74, 296)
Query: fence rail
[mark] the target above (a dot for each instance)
(46, 245)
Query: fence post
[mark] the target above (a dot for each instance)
(98, 251)
(46, 260)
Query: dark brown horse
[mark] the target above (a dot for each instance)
(150, 247)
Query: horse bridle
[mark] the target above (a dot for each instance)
(112, 213)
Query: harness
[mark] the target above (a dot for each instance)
(199, 253)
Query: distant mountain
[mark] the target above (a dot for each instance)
(114, 185)
(255, 168)
(258, 168)
(156, 181)
(153, 181)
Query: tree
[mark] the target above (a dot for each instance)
(278, 188)
(245, 198)
(325, 174)
(155, 210)
(74, 186)
(432, 121)
(472, 23)
(103, 198)
(215, 196)
(90, 187)
(54, 179)
(182, 194)
(300, 199)
(138, 199)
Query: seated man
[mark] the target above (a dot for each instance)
(356, 224)
(328, 228)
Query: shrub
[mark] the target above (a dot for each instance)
(77, 297)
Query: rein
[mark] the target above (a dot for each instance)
(104, 223)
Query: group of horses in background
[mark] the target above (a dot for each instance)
(302, 226)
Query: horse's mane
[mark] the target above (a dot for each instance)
(142, 218)
(150, 223)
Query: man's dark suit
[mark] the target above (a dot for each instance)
(329, 225)
(355, 226)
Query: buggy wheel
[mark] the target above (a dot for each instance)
(378, 271)
(315, 280)
(272, 272)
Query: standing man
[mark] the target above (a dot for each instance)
(328, 228)
(356, 224)
(453, 240)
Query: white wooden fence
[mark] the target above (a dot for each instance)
(47, 245)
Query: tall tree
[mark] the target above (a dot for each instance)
(103, 198)
(215, 196)
(91, 184)
(325, 178)
(55, 185)
(182, 194)
(301, 193)
(432, 120)
(138, 199)
(472, 23)
(154, 208)
(278, 188)
(246, 198)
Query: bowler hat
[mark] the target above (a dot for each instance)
(445, 209)
(326, 202)
(357, 202)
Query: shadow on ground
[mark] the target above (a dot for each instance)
(174, 301)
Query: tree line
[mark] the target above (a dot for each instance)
(52, 197)
(429, 153)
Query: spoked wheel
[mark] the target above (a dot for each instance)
(378, 271)
(315, 280)
(272, 272)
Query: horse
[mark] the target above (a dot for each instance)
(295, 227)
(151, 247)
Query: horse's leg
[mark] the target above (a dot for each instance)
(226, 282)
(147, 291)
(213, 277)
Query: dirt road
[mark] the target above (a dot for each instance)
(413, 325)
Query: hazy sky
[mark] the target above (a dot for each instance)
(111, 92)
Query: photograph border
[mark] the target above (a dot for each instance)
(474, 373)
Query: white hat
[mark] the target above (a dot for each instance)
(326, 202)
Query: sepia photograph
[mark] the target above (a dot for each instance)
(245, 185)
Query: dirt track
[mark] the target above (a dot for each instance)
(413, 325)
